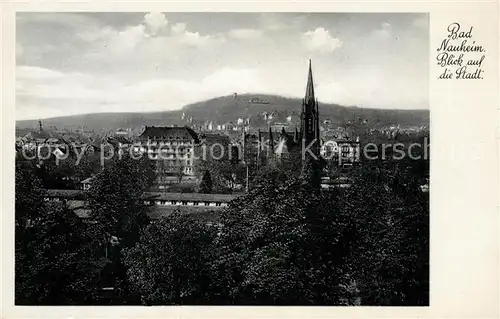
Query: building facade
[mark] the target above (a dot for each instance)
(173, 149)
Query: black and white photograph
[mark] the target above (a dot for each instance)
(222, 158)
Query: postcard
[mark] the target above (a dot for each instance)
(243, 160)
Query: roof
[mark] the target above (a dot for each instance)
(214, 137)
(87, 180)
(118, 139)
(160, 212)
(40, 135)
(161, 131)
(190, 197)
(224, 198)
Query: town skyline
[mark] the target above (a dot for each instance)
(76, 63)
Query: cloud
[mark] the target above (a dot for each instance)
(154, 26)
(97, 34)
(40, 89)
(245, 33)
(155, 22)
(41, 83)
(273, 21)
(182, 35)
(421, 22)
(62, 19)
(37, 73)
(179, 28)
(384, 32)
(130, 37)
(320, 41)
(331, 91)
(228, 80)
(115, 40)
(146, 62)
(198, 40)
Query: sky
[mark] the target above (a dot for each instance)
(75, 63)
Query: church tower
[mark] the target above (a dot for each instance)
(309, 128)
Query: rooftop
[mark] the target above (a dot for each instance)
(161, 131)
(76, 194)
(189, 196)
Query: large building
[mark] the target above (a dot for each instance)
(173, 148)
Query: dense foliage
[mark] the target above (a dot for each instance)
(170, 262)
(67, 173)
(55, 259)
(225, 176)
(205, 186)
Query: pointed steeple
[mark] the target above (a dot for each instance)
(310, 86)
(309, 129)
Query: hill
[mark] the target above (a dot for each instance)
(230, 108)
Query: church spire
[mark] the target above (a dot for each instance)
(310, 119)
(310, 87)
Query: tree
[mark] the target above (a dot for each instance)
(116, 204)
(51, 242)
(170, 262)
(279, 245)
(179, 173)
(389, 216)
(115, 198)
(28, 196)
(88, 165)
(206, 183)
(226, 176)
